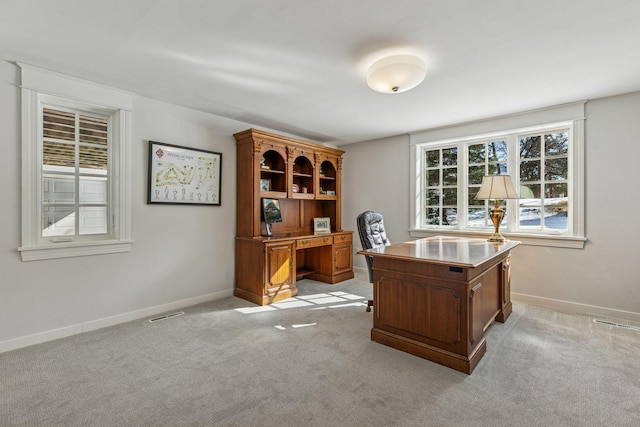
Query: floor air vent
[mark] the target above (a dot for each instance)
(166, 316)
(617, 325)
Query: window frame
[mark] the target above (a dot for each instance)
(461, 136)
(40, 87)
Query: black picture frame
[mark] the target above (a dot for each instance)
(180, 175)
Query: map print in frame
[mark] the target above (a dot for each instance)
(183, 176)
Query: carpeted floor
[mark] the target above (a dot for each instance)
(310, 362)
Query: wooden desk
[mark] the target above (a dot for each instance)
(267, 267)
(435, 297)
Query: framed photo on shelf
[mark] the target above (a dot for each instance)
(183, 176)
(265, 185)
(321, 225)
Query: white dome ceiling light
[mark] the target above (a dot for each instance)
(397, 73)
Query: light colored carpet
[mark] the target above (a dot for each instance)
(312, 363)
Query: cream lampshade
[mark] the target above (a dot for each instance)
(497, 188)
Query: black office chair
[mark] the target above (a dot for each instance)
(372, 235)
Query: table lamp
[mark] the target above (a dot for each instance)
(496, 187)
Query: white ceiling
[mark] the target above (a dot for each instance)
(299, 66)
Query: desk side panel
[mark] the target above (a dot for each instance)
(434, 314)
(249, 280)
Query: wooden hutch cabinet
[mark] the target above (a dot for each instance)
(306, 178)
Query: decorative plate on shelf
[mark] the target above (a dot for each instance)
(295, 188)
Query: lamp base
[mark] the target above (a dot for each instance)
(496, 238)
(496, 214)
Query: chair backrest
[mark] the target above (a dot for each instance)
(372, 234)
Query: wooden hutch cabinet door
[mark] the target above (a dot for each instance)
(342, 258)
(280, 266)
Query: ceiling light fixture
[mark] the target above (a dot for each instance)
(397, 73)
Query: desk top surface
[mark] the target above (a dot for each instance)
(457, 251)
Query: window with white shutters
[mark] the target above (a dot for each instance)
(75, 179)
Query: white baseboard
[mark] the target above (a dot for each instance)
(362, 270)
(91, 325)
(577, 308)
(16, 343)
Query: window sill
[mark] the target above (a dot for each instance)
(68, 250)
(525, 239)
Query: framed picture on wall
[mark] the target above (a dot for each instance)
(321, 225)
(183, 176)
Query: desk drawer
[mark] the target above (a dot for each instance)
(341, 238)
(313, 242)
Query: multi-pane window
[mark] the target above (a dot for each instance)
(75, 181)
(441, 184)
(544, 181)
(539, 166)
(484, 158)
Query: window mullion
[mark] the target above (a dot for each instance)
(572, 182)
(39, 220)
(109, 199)
(543, 180)
(463, 185)
(513, 169)
(77, 175)
(440, 188)
(486, 203)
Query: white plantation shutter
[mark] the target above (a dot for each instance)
(74, 158)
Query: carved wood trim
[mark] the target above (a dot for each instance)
(257, 145)
(472, 294)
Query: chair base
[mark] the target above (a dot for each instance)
(369, 304)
